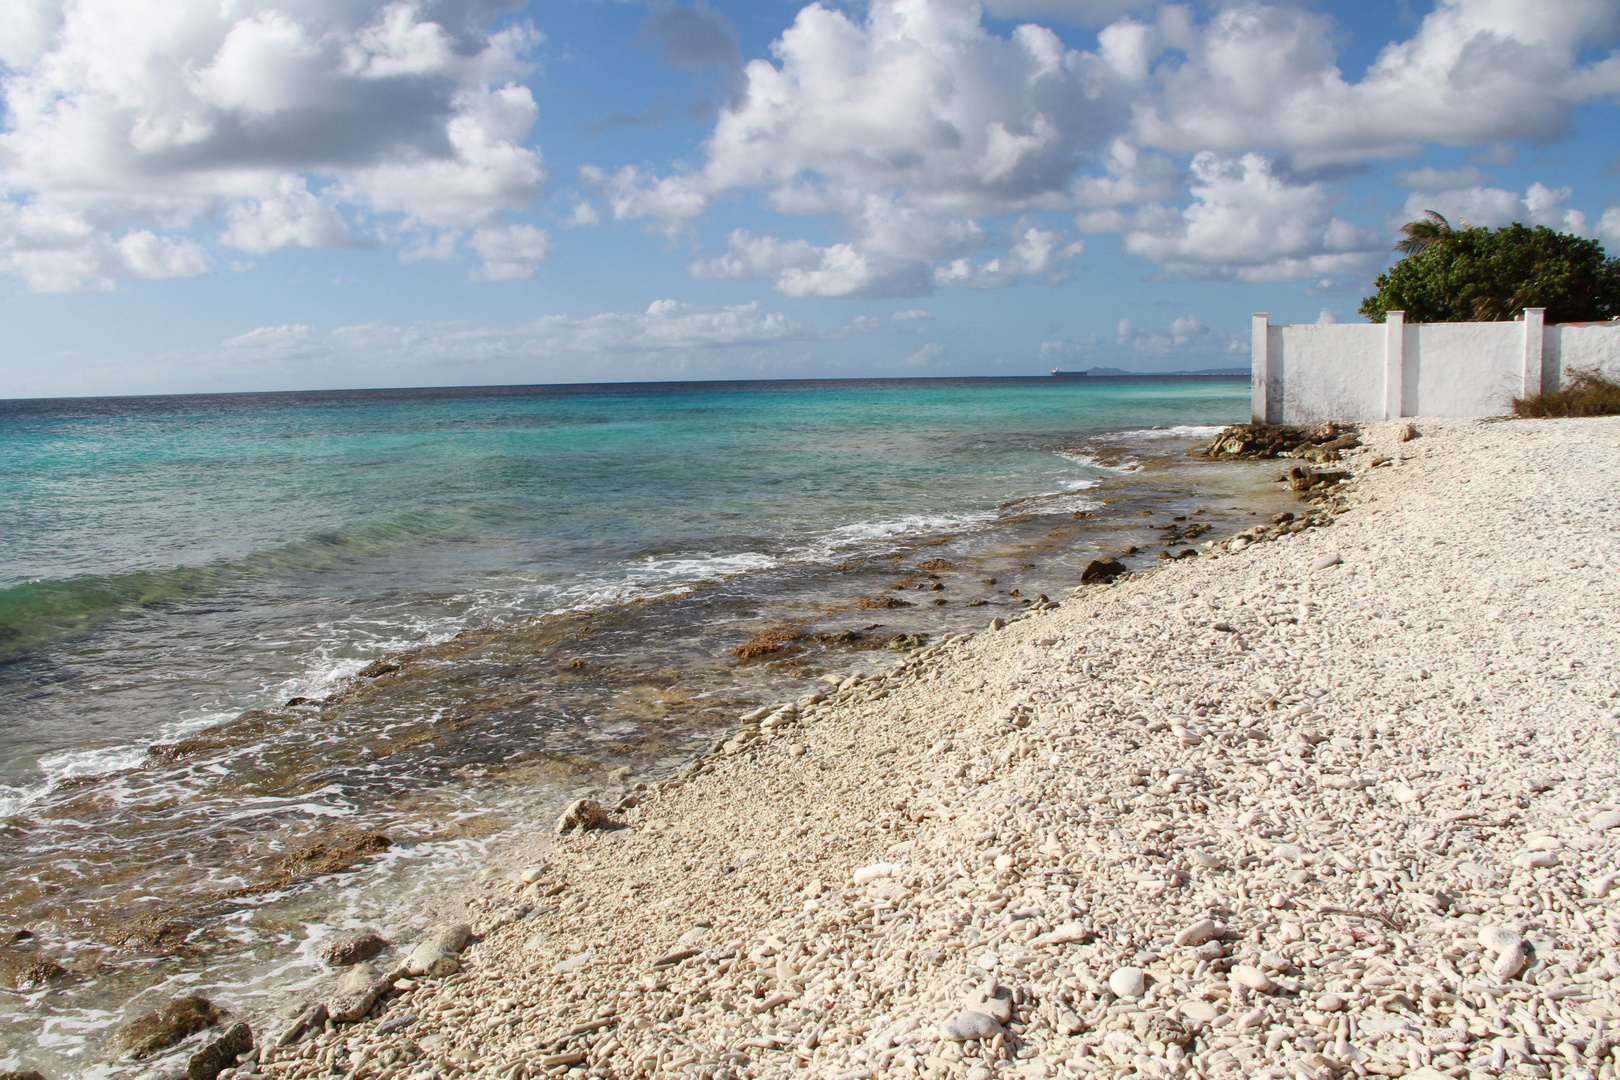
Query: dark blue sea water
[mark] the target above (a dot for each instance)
(564, 574)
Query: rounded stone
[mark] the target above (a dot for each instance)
(1128, 982)
(969, 1024)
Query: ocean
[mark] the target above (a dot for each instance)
(569, 588)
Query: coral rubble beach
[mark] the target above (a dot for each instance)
(1341, 802)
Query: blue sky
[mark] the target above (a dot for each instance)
(292, 194)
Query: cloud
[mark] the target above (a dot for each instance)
(291, 124)
(1440, 179)
(908, 125)
(1495, 207)
(1184, 337)
(1246, 224)
(1084, 12)
(509, 251)
(1608, 226)
(800, 268)
(1034, 251)
(922, 356)
(666, 328)
(693, 36)
(1265, 77)
(912, 123)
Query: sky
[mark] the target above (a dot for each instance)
(240, 195)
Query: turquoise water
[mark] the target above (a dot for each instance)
(172, 562)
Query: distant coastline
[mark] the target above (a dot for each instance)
(1120, 373)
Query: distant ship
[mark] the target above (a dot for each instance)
(1068, 374)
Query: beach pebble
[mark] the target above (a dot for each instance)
(438, 953)
(1251, 977)
(1498, 939)
(1510, 962)
(969, 1024)
(1128, 983)
(871, 873)
(1330, 1002)
(1604, 821)
(1199, 932)
(996, 1008)
(582, 814)
(1198, 1010)
(1535, 860)
(1325, 561)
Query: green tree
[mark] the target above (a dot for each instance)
(1475, 274)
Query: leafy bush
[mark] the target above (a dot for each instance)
(1475, 274)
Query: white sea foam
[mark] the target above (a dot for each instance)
(1081, 457)
(1178, 431)
(652, 578)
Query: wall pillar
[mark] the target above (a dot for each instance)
(1394, 364)
(1535, 321)
(1260, 367)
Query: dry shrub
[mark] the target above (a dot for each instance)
(1586, 392)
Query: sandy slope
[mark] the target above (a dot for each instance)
(1359, 773)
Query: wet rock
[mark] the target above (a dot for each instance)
(376, 668)
(1103, 570)
(165, 1026)
(582, 814)
(351, 947)
(311, 1018)
(21, 969)
(968, 1024)
(357, 992)
(28, 1074)
(437, 954)
(220, 1053)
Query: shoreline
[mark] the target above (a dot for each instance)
(1064, 803)
(342, 850)
(840, 914)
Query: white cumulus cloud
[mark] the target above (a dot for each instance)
(288, 123)
(1246, 223)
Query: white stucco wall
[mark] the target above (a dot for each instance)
(1374, 371)
(1461, 369)
(1589, 345)
(1325, 372)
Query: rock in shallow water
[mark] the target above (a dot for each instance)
(220, 1053)
(165, 1026)
(351, 947)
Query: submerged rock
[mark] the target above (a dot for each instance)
(351, 947)
(220, 1053)
(165, 1026)
(1103, 570)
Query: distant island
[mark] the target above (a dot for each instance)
(1109, 372)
